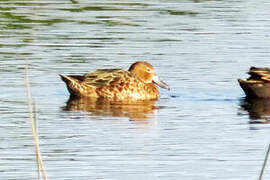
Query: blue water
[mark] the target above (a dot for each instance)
(202, 129)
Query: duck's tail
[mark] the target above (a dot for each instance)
(73, 85)
(76, 87)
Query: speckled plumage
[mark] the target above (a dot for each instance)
(116, 84)
(258, 84)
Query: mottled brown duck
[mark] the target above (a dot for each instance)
(258, 84)
(138, 83)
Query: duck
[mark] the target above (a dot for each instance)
(139, 82)
(258, 84)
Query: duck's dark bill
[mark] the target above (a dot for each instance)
(160, 83)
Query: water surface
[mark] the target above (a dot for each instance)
(202, 129)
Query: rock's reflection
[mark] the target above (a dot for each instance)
(135, 110)
(258, 109)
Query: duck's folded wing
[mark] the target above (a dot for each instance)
(103, 77)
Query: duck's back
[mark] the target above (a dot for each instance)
(259, 74)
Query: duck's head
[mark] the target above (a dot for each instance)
(147, 73)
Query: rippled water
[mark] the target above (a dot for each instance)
(202, 129)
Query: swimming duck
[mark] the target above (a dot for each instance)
(258, 84)
(138, 83)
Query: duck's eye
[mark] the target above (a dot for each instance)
(148, 70)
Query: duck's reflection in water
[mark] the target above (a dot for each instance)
(258, 109)
(135, 110)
